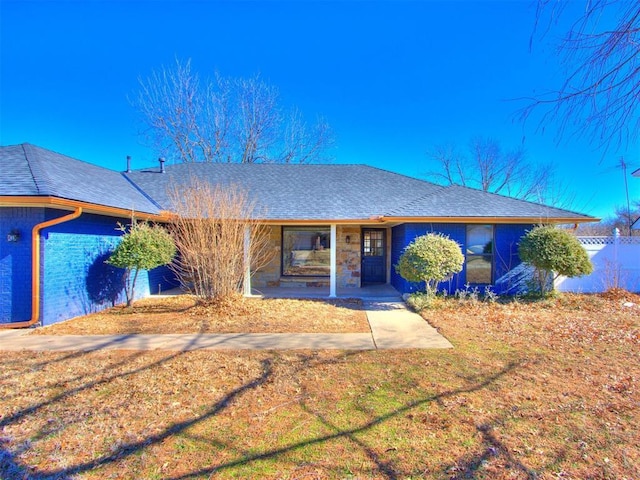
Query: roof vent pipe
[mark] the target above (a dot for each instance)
(161, 160)
(128, 163)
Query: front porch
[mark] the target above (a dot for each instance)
(338, 258)
(379, 292)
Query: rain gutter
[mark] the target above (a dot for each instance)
(35, 268)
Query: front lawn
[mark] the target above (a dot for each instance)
(183, 314)
(531, 390)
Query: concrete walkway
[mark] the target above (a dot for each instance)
(393, 326)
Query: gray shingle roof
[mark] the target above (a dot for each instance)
(27, 170)
(458, 201)
(343, 192)
(284, 192)
(296, 192)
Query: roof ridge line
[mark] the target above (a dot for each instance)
(138, 189)
(41, 174)
(238, 164)
(401, 174)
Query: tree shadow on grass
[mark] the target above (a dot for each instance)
(472, 466)
(127, 449)
(20, 414)
(383, 468)
(69, 356)
(9, 467)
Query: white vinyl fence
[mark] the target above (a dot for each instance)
(616, 264)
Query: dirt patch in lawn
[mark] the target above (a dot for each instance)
(543, 390)
(183, 314)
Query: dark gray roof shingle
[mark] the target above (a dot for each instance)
(296, 192)
(16, 177)
(283, 192)
(27, 170)
(343, 192)
(457, 201)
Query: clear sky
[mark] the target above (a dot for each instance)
(392, 78)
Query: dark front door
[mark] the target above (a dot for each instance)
(373, 256)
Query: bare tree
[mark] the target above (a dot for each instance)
(225, 120)
(488, 167)
(209, 229)
(302, 143)
(601, 52)
(622, 218)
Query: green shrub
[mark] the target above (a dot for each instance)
(430, 258)
(418, 301)
(143, 247)
(553, 252)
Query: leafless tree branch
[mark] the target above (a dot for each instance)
(209, 227)
(488, 167)
(599, 98)
(225, 120)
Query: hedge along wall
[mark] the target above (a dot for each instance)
(15, 262)
(508, 272)
(75, 279)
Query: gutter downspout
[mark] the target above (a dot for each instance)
(35, 268)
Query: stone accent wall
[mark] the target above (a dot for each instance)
(348, 256)
(269, 274)
(347, 259)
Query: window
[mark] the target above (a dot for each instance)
(306, 251)
(373, 243)
(479, 253)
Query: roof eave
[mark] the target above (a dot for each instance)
(323, 221)
(490, 219)
(66, 204)
(388, 220)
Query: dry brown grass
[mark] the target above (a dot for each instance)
(184, 314)
(543, 390)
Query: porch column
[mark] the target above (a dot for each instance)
(246, 284)
(332, 261)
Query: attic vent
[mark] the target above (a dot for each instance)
(161, 160)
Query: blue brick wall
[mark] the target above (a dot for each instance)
(508, 274)
(403, 235)
(160, 279)
(15, 262)
(75, 279)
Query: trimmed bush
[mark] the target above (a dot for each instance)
(430, 258)
(143, 247)
(553, 252)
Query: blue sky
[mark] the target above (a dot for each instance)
(393, 79)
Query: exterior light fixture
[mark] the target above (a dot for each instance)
(13, 235)
(348, 239)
